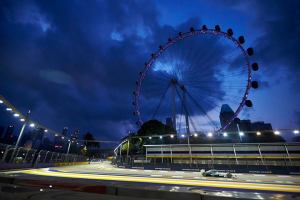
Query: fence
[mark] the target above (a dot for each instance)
(10, 157)
(241, 157)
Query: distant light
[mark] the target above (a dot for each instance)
(32, 125)
(22, 120)
(241, 133)
(225, 134)
(160, 137)
(16, 115)
(150, 138)
(182, 135)
(196, 134)
(296, 131)
(62, 137)
(69, 140)
(45, 130)
(1, 101)
(172, 136)
(209, 134)
(41, 190)
(50, 186)
(258, 133)
(56, 135)
(8, 109)
(277, 133)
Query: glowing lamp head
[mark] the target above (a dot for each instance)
(241, 133)
(296, 131)
(209, 134)
(258, 133)
(225, 134)
(277, 133)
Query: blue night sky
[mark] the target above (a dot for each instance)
(75, 63)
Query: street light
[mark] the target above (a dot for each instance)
(182, 135)
(196, 134)
(45, 130)
(172, 136)
(241, 133)
(277, 133)
(8, 109)
(150, 138)
(20, 135)
(258, 133)
(209, 134)
(160, 137)
(1, 101)
(22, 120)
(225, 134)
(32, 125)
(296, 132)
(16, 115)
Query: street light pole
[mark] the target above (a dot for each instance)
(20, 135)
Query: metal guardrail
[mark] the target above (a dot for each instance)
(34, 157)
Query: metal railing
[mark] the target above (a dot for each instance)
(33, 158)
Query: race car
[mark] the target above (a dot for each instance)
(216, 173)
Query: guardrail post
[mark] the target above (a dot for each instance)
(261, 157)
(162, 157)
(171, 154)
(56, 158)
(37, 159)
(288, 154)
(44, 161)
(33, 155)
(236, 160)
(146, 154)
(26, 155)
(13, 160)
(52, 153)
(212, 155)
(5, 153)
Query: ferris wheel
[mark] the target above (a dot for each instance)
(192, 76)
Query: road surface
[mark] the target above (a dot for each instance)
(173, 180)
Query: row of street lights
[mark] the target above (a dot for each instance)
(210, 134)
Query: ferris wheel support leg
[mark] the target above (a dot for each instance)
(186, 117)
(174, 106)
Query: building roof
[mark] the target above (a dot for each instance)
(226, 109)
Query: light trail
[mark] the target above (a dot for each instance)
(170, 181)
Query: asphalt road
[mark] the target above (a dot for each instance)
(104, 171)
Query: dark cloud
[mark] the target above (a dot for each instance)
(74, 63)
